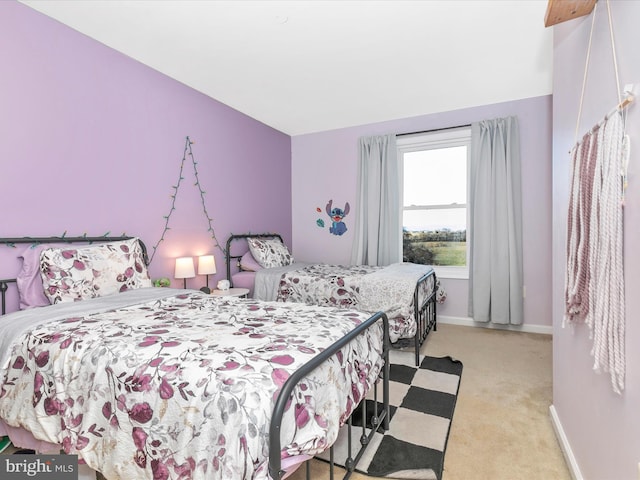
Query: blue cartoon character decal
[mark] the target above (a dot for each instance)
(338, 227)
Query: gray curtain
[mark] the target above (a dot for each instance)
(495, 226)
(378, 224)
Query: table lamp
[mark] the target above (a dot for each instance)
(206, 267)
(185, 269)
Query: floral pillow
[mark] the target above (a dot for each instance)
(270, 252)
(77, 273)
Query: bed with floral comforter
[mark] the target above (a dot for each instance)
(163, 384)
(367, 288)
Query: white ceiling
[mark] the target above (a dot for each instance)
(308, 66)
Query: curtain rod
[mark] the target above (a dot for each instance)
(433, 130)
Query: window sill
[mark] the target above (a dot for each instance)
(457, 273)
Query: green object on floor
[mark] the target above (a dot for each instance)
(4, 443)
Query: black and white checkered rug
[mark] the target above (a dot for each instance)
(422, 401)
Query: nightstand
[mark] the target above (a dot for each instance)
(232, 292)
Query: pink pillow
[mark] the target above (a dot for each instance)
(249, 264)
(29, 281)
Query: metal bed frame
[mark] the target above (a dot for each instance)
(424, 310)
(379, 419)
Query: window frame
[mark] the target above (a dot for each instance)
(445, 138)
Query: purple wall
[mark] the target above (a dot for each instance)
(325, 167)
(602, 428)
(91, 141)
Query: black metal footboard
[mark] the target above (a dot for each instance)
(424, 306)
(380, 419)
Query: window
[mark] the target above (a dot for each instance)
(434, 207)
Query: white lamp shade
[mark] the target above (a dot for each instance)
(185, 268)
(206, 265)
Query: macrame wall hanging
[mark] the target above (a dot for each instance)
(594, 287)
(176, 189)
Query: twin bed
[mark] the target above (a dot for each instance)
(406, 292)
(144, 382)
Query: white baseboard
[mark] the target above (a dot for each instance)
(564, 445)
(468, 322)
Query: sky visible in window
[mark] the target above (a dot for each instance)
(435, 177)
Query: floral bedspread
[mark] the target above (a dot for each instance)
(364, 287)
(183, 387)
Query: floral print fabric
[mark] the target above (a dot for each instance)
(75, 273)
(183, 387)
(364, 287)
(269, 252)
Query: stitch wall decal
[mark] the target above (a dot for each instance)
(338, 227)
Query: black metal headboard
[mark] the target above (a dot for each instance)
(4, 283)
(230, 257)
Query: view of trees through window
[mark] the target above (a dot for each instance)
(435, 199)
(435, 247)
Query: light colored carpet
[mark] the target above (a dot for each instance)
(501, 427)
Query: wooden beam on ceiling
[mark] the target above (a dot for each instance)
(562, 10)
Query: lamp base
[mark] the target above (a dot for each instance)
(205, 289)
